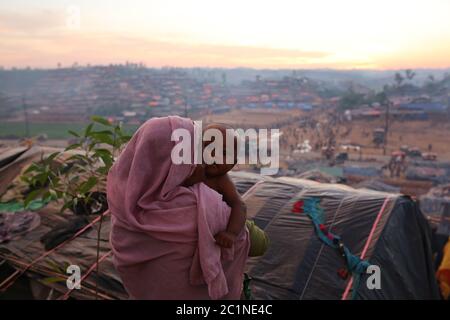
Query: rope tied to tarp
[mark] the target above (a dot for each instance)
(366, 246)
(5, 284)
(355, 265)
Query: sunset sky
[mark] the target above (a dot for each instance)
(344, 34)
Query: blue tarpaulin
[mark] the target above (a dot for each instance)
(362, 171)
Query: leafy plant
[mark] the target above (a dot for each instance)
(76, 177)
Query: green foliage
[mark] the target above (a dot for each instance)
(74, 179)
(351, 100)
(59, 271)
(53, 130)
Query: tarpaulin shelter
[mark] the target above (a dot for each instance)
(46, 267)
(437, 175)
(46, 241)
(386, 229)
(438, 172)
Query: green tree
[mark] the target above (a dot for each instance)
(351, 100)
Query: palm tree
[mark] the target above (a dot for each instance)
(399, 79)
(410, 74)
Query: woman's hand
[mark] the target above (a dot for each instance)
(225, 239)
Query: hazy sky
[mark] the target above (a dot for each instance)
(380, 34)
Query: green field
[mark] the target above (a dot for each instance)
(52, 130)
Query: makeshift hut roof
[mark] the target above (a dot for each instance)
(47, 265)
(386, 229)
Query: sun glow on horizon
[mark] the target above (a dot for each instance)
(346, 34)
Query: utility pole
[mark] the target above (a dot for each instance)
(386, 126)
(25, 114)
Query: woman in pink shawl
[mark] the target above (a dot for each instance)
(162, 232)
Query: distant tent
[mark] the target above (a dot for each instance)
(425, 106)
(361, 171)
(437, 175)
(389, 228)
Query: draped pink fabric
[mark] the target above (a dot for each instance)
(162, 233)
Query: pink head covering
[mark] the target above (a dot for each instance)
(163, 233)
(144, 177)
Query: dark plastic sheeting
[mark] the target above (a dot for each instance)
(244, 180)
(298, 266)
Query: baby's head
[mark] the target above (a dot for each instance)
(219, 169)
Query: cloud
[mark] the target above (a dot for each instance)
(160, 34)
(16, 23)
(40, 38)
(48, 48)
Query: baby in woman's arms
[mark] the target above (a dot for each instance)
(216, 176)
